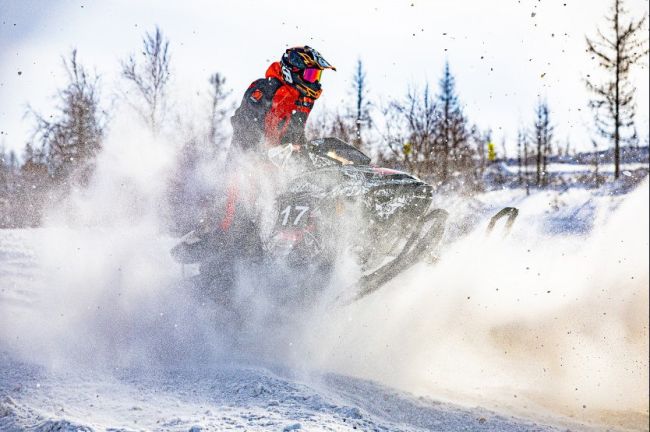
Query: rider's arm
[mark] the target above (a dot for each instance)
(248, 123)
(285, 122)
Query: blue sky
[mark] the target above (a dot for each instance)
(504, 53)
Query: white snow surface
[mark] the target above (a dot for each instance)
(224, 397)
(544, 330)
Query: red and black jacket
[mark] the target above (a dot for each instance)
(271, 113)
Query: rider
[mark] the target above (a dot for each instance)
(273, 113)
(274, 109)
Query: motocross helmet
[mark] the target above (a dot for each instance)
(302, 68)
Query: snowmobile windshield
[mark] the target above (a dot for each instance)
(338, 152)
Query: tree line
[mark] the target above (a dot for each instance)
(426, 131)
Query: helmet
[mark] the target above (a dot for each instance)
(302, 68)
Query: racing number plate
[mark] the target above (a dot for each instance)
(294, 215)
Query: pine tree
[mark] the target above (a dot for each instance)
(451, 128)
(613, 101)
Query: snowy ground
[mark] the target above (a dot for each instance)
(547, 330)
(226, 397)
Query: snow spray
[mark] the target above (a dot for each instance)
(105, 290)
(538, 323)
(534, 324)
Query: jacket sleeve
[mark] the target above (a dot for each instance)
(295, 132)
(248, 120)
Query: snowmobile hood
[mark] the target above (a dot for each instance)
(275, 71)
(352, 180)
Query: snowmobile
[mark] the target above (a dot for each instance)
(336, 203)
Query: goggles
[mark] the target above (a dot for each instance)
(312, 75)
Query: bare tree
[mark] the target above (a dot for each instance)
(6, 173)
(431, 135)
(526, 164)
(70, 139)
(616, 53)
(34, 155)
(542, 136)
(349, 125)
(567, 149)
(218, 111)
(409, 130)
(522, 145)
(339, 127)
(362, 105)
(315, 127)
(595, 175)
(480, 140)
(331, 124)
(476, 160)
(150, 77)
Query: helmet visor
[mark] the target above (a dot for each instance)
(312, 75)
